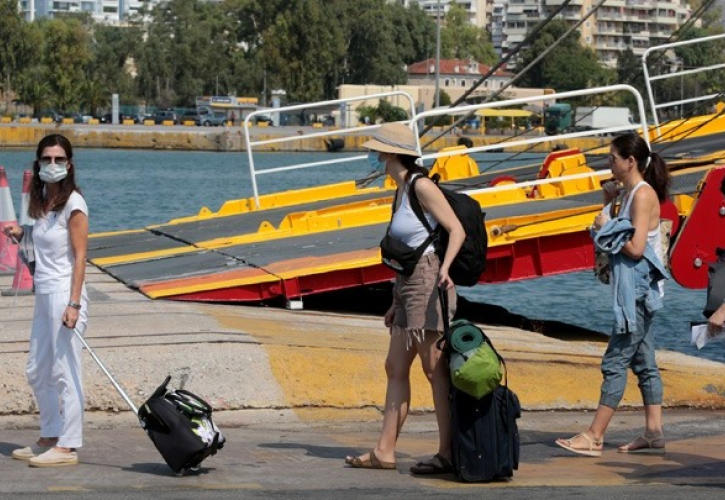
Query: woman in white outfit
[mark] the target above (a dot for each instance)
(60, 241)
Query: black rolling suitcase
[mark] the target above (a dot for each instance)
(485, 435)
(178, 422)
(180, 426)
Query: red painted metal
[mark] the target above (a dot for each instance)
(502, 178)
(544, 256)
(550, 158)
(702, 232)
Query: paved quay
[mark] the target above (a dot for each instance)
(296, 391)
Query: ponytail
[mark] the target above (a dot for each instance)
(657, 175)
(650, 164)
(409, 162)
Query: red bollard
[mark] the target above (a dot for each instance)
(22, 281)
(8, 248)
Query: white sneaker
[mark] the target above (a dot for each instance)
(54, 458)
(29, 452)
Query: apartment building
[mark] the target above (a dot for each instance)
(478, 10)
(105, 11)
(617, 25)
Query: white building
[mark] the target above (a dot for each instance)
(478, 10)
(617, 25)
(104, 11)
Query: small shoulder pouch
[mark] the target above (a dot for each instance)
(396, 254)
(602, 269)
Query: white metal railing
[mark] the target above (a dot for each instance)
(413, 123)
(538, 182)
(642, 125)
(254, 172)
(537, 140)
(681, 73)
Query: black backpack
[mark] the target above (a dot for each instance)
(470, 262)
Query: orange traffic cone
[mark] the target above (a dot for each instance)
(23, 281)
(8, 248)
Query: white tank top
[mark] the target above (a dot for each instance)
(406, 226)
(653, 237)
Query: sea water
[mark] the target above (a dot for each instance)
(132, 189)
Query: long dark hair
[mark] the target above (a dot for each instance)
(412, 167)
(36, 206)
(656, 174)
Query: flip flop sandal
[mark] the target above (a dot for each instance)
(437, 465)
(594, 449)
(651, 445)
(371, 463)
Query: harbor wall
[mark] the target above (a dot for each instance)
(231, 139)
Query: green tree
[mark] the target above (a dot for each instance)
(570, 66)
(188, 52)
(389, 113)
(95, 95)
(66, 56)
(34, 90)
(372, 54)
(629, 72)
(16, 49)
(462, 40)
(113, 66)
(302, 48)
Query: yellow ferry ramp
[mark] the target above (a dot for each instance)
(285, 278)
(290, 198)
(126, 246)
(309, 263)
(219, 232)
(694, 127)
(362, 213)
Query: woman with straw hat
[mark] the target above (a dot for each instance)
(415, 318)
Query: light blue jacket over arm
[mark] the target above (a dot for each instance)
(632, 280)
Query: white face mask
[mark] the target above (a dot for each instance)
(52, 172)
(375, 162)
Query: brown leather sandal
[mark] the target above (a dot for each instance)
(372, 462)
(437, 465)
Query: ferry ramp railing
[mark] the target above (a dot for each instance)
(681, 72)
(251, 144)
(641, 126)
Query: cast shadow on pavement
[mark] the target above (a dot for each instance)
(677, 468)
(6, 449)
(333, 452)
(161, 469)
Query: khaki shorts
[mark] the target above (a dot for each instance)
(417, 306)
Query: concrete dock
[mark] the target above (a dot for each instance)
(295, 391)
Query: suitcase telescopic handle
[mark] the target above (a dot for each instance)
(105, 370)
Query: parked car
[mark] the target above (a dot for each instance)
(189, 116)
(208, 118)
(165, 115)
(49, 113)
(263, 119)
(108, 118)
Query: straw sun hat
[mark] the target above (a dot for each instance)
(394, 138)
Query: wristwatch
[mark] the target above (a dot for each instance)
(74, 304)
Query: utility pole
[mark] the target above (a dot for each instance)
(438, 54)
